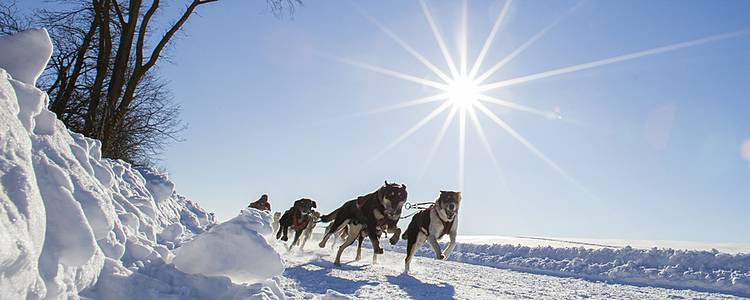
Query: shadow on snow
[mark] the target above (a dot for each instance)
(315, 277)
(416, 289)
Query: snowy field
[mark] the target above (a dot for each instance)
(311, 273)
(75, 225)
(731, 248)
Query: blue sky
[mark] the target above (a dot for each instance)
(656, 141)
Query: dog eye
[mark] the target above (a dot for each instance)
(451, 206)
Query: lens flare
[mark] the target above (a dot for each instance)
(464, 89)
(745, 150)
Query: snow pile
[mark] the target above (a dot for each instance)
(257, 260)
(73, 223)
(711, 271)
(25, 54)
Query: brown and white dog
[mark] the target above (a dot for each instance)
(432, 224)
(297, 218)
(375, 212)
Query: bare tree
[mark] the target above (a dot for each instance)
(102, 78)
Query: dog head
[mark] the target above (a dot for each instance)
(276, 216)
(447, 204)
(305, 205)
(392, 196)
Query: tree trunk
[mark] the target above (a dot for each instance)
(102, 66)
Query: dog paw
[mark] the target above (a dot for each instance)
(379, 251)
(394, 241)
(337, 263)
(441, 257)
(283, 238)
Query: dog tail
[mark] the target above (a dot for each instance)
(329, 217)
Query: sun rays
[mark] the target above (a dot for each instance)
(464, 89)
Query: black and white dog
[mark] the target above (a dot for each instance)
(376, 212)
(433, 223)
(297, 218)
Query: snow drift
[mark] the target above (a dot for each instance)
(74, 223)
(256, 261)
(710, 271)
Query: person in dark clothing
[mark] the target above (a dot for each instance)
(261, 204)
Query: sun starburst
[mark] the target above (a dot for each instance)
(464, 89)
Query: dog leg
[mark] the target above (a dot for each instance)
(372, 232)
(451, 245)
(359, 247)
(396, 234)
(297, 233)
(349, 240)
(412, 247)
(435, 246)
(331, 229)
(305, 237)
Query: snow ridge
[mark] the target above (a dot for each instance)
(74, 224)
(709, 271)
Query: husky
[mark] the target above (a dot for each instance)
(432, 224)
(379, 210)
(297, 218)
(276, 218)
(314, 217)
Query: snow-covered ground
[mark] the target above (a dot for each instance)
(311, 273)
(75, 225)
(492, 267)
(557, 242)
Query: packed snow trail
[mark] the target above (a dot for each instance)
(312, 273)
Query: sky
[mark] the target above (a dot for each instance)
(646, 148)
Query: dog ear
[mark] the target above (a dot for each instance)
(314, 205)
(386, 183)
(403, 186)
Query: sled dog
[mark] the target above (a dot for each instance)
(276, 218)
(297, 218)
(433, 223)
(379, 210)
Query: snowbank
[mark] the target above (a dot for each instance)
(73, 223)
(710, 271)
(25, 54)
(239, 250)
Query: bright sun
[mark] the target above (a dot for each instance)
(464, 90)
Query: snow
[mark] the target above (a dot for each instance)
(74, 224)
(731, 248)
(699, 270)
(311, 274)
(255, 260)
(25, 54)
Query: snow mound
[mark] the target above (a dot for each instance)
(25, 54)
(74, 223)
(239, 250)
(710, 271)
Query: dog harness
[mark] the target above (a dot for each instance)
(447, 225)
(299, 223)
